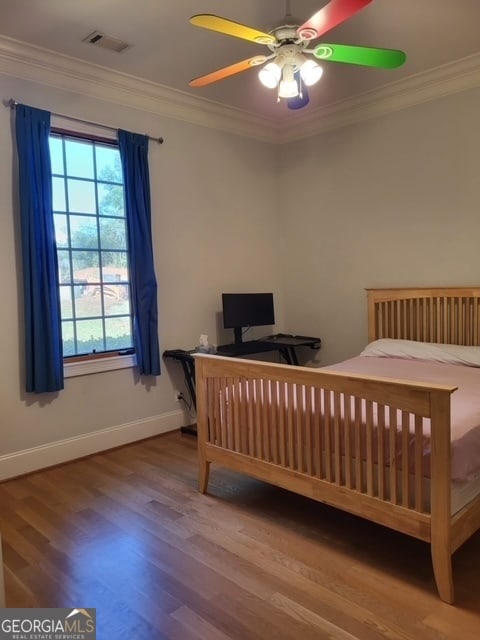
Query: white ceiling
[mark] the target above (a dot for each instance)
(169, 51)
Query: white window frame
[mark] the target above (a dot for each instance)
(98, 365)
(72, 369)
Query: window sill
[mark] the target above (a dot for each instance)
(84, 368)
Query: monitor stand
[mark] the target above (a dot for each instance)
(237, 332)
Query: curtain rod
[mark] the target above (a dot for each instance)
(13, 103)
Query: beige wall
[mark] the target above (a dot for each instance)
(392, 201)
(389, 202)
(215, 229)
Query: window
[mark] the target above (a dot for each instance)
(91, 238)
(45, 367)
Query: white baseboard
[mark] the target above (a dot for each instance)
(53, 453)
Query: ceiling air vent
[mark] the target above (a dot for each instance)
(106, 42)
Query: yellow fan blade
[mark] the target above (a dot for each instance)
(225, 72)
(231, 28)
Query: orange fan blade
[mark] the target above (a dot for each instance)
(225, 72)
(231, 28)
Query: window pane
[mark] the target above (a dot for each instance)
(89, 303)
(61, 230)
(65, 275)
(80, 288)
(110, 200)
(115, 299)
(113, 233)
(79, 157)
(118, 333)
(69, 348)
(86, 266)
(108, 164)
(56, 155)
(110, 274)
(66, 301)
(90, 336)
(81, 196)
(84, 232)
(58, 194)
(115, 264)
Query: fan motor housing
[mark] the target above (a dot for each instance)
(286, 35)
(286, 32)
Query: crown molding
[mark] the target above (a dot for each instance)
(36, 64)
(445, 80)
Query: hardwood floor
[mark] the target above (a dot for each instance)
(127, 532)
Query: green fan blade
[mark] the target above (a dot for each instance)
(366, 56)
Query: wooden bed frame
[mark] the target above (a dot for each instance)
(257, 418)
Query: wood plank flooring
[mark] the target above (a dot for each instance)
(127, 532)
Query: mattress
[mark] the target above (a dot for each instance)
(465, 402)
(464, 492)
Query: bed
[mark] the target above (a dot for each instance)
(377, 435)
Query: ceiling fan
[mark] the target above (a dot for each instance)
(287, 67)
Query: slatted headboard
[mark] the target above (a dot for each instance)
(448, 315)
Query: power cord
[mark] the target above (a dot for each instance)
(188, 405)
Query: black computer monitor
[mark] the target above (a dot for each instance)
(247, 310)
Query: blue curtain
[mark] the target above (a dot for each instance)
(134, 156)
(43, 333)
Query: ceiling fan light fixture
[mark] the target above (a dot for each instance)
(289, 70)
(288, 87)
(270, 75)
(311, 72)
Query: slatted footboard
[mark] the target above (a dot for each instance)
(353, 442)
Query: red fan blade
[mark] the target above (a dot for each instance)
(332, 14)
(225, 72)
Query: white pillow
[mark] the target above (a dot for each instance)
(449, 353)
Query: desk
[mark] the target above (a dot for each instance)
(188, 365)
(284, 343)
(287, 344)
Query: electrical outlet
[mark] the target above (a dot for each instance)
(178, 395)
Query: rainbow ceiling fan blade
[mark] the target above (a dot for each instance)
(289, 47)
(366, 56)
(226, 72)
(331, 15)
(231, 28)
